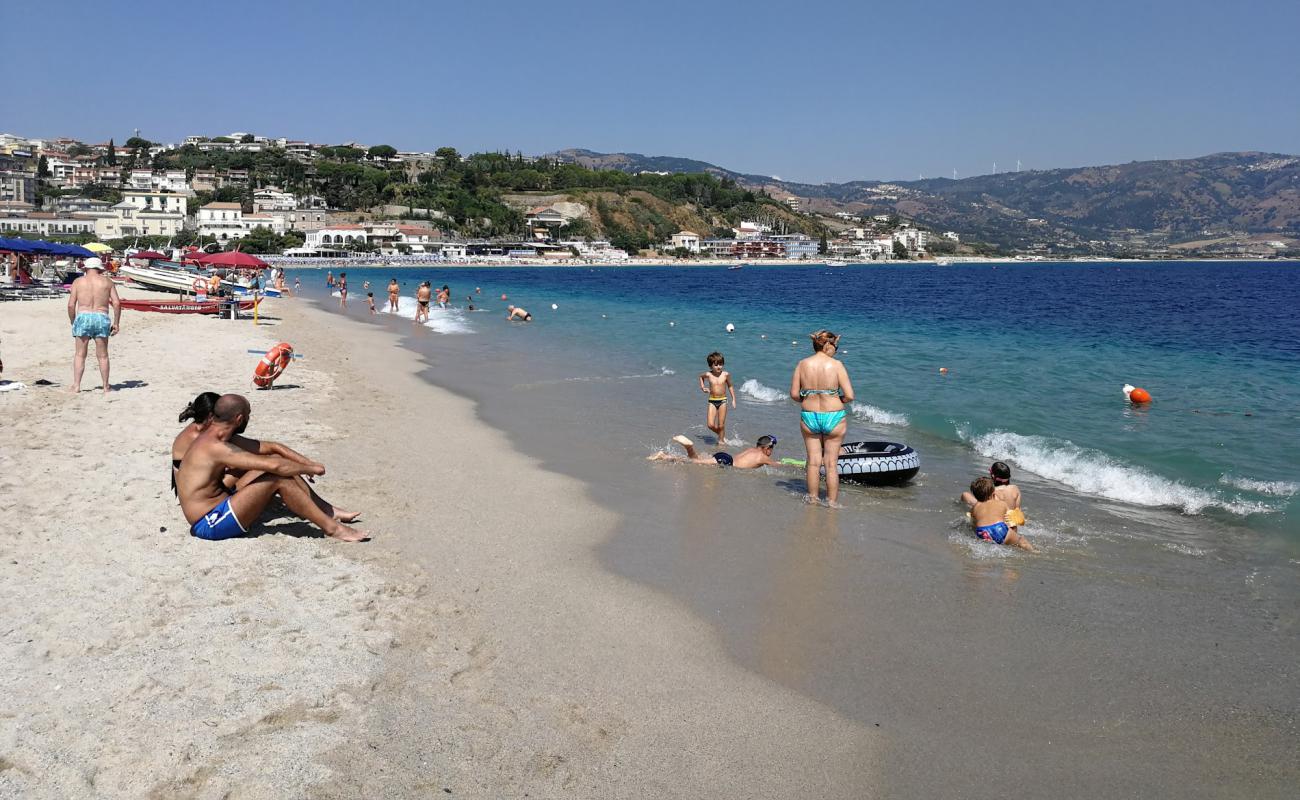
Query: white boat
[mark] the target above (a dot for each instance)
(837, 263)
(162, 279)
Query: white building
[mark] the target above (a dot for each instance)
(913, 239)
(128, 220)
(272, 199)
(275, 222)
(161, 202)
(43, 224)
(952, 236)
(222, 220)
(171, 180)
(685, 240)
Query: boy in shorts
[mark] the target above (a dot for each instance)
(716, 383)
(989, 517)
(1005, 491)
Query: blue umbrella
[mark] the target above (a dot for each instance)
(16, 245)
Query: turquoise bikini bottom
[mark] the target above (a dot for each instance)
(821, 422)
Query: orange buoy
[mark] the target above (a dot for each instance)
(272, 365)
(1139, 395)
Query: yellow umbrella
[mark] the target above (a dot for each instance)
(97, 247)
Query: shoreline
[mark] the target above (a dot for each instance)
(770, 262)
(475, 647)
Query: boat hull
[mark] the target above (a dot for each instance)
(182, 306)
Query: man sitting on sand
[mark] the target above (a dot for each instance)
(517, 313)
(760, 455)
(89, 302)
(216, 513)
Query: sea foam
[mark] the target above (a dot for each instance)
(763, 394)
(1093, 472)
(1274, 488)
(879, 416)
(441, 320)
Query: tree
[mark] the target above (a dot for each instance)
(111, 157)
(382, 151)
(137, 142)
(823, 247)
(42, 167)
(448, 158)
(900, 250)
(78, 149)
(246, 138)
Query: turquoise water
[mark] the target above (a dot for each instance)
(1036, 355)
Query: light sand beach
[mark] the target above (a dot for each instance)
(475, 648)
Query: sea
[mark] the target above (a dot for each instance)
(1159, 622)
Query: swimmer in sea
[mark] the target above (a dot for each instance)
(715, 384)
(1005, 491)
(760, 455)
(517, 313)
(821, 386)
(423, 296)
(370, 298)
(989, 517)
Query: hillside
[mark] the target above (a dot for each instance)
(1167, 201)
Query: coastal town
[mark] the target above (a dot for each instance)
(139, 194)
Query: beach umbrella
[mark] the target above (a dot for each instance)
(16, 245)
(98, 247)
(233, 259)
(149, 254)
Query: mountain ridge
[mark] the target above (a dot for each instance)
(1168, 199)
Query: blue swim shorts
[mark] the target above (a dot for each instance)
(996, 533)
(92, 325)
(219, 523)
(723, 459)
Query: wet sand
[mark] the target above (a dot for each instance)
(987, 673)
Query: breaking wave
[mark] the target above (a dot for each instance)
(1093, 472)
(763, 394)
(1273, 488)
(870, 413)
(441, 320)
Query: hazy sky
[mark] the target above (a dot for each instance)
(813, 91)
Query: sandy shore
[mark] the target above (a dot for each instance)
(475, 648)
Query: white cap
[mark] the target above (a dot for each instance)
(92, 263)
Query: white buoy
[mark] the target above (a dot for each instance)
(554, 307)
(762, 336)
(731, 328)
(1128, 390)
(602, 316)
(672, 324)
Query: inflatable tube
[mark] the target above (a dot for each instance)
(877, 463)
(872, 463)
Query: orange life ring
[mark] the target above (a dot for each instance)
(272, 364)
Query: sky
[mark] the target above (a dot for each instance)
(812, 91)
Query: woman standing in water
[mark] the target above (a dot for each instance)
(821, 386)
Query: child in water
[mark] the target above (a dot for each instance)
(1005, 491)
(716, 383)
(989, 517)
(370, 298)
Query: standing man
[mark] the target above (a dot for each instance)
(89, 302)
(393, 292)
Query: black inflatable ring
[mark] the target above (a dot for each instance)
(877, 463)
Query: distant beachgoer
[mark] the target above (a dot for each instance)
(343, 290)
(515, 312)
(365, 286)
(199, 413)
(393, 291)
(89, 303)
(444, 296)
(297, 285)
(716, 383)
(329, 279)
(989, 517)
(1003, 490)
(760, 455)
(213, 511)
(821, 386)
(370, 298)
(423, 296)
(478, 290)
